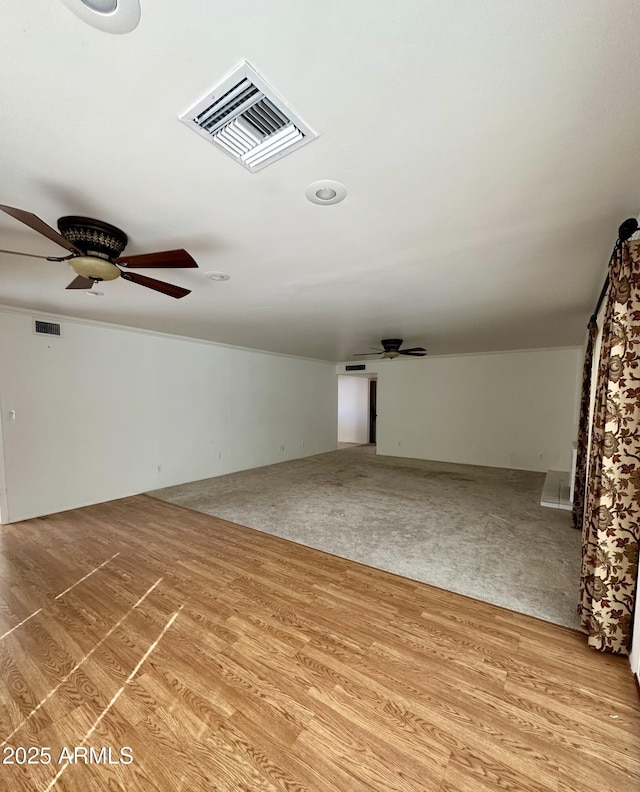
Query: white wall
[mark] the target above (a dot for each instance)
(353, 409)
(99, 409)
(508, 409)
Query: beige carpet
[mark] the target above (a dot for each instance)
(475, 530)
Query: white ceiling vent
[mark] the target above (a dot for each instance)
(248, 120)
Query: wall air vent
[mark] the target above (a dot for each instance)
(356, 367)
(247, 119)
(47, 328)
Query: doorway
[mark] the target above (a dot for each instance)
(357, 399)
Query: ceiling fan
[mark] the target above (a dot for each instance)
(391, 349)
(95, 248)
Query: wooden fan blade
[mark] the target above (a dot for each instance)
(166, 258)
(80, 283)
(412, 354)
(40, 226)
(412, 349)
(151, 283)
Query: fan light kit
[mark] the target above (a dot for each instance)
(95, 253)
(111, 16)
(218, 276)
(326, 192)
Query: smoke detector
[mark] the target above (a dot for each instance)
(248, 120)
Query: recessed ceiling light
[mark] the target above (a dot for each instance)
(218, 276)
(326, 192)
(92, 293)
(102, 6)
(112, 16)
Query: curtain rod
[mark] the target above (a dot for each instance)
(625, 232)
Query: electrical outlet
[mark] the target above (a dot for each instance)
(281, 448)
(158, 468)
(219, 454)
(303, 443)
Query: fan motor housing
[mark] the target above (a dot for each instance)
(93, 237)
(391, 344)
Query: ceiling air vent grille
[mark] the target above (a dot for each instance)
(247, 119)
(47, 328)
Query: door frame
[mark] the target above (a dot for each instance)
(373, 409)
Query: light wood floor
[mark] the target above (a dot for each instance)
(227, 659)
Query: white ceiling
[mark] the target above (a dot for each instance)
(489, 148)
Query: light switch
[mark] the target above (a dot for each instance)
(12, 415)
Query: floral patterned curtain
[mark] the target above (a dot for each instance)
(583, 429)
(611, 528)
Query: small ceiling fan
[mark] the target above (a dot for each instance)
(96, 249)
(391, 349)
